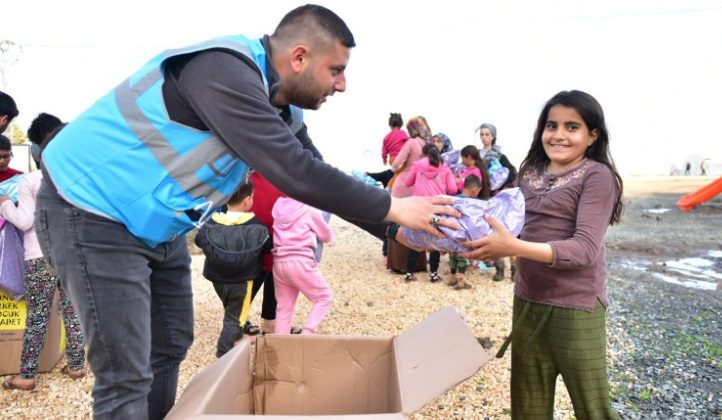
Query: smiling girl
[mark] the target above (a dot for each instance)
(572, 192)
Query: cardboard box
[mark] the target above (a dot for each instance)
(12, 329)
(287, 376)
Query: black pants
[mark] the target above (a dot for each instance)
(236, 304)
(383, 177)
(268, 308)
(434, 258)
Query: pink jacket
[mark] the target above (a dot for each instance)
(410, 153)
(428, 180)
(296, 228)
(23, 216)
(471, 170)
(393, 143)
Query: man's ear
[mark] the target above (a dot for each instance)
(299, 58)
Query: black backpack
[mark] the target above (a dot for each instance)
(236, 247)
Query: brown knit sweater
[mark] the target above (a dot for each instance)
(570, 211)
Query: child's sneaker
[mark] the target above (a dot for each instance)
(409, 277)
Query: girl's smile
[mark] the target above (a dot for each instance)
(566, 138)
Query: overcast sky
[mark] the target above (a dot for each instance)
(655, 66)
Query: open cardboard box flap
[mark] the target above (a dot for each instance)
(224, 387)
(434, 356)
(329, 376)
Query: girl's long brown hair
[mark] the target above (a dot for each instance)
(591, 112)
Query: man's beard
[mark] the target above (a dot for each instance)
(303, 92)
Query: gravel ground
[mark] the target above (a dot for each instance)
(665, 341)
(664, 351)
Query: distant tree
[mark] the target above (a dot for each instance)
(16, 135)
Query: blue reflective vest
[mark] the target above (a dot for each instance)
(123, 158)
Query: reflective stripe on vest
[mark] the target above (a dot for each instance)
(96, 164)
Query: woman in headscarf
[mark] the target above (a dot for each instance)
(491, 151)
(492, 156)
(419, 134)
(445, 141)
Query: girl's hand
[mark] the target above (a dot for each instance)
(416, 213)
(4, 198)
(500, 243)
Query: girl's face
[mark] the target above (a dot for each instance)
(486, 137)
(566, 138)
(468, 161)
(438, 143)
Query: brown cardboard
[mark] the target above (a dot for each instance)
(12, 328)
(317, 375)
(434, 356)
(320, 377)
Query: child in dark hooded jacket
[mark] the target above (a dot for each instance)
(233, 243)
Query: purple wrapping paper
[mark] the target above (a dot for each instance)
(507, 207)
(451, 158)
(499, 177)
(499, 174)
(318, 251)
(12, 261)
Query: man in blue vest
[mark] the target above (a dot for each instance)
(150, 160)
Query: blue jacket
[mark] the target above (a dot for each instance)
(156, 176)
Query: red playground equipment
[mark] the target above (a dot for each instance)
(708, 192)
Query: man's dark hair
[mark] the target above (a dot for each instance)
(310, 21)
(8, 106)
(5, 143)
(41, 126)
(245, 189)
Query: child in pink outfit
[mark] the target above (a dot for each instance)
(297, 229)
(428, 177)
(393, 142)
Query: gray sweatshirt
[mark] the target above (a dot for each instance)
(222, 91)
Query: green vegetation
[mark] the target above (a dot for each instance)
(688, 345)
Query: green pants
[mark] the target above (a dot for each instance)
(548, 341)
(457, 263)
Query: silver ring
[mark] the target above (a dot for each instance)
(435, 219)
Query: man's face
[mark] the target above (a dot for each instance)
(4, 122)
(5, 157)
(322, 76)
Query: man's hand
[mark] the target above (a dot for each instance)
(417, 212)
